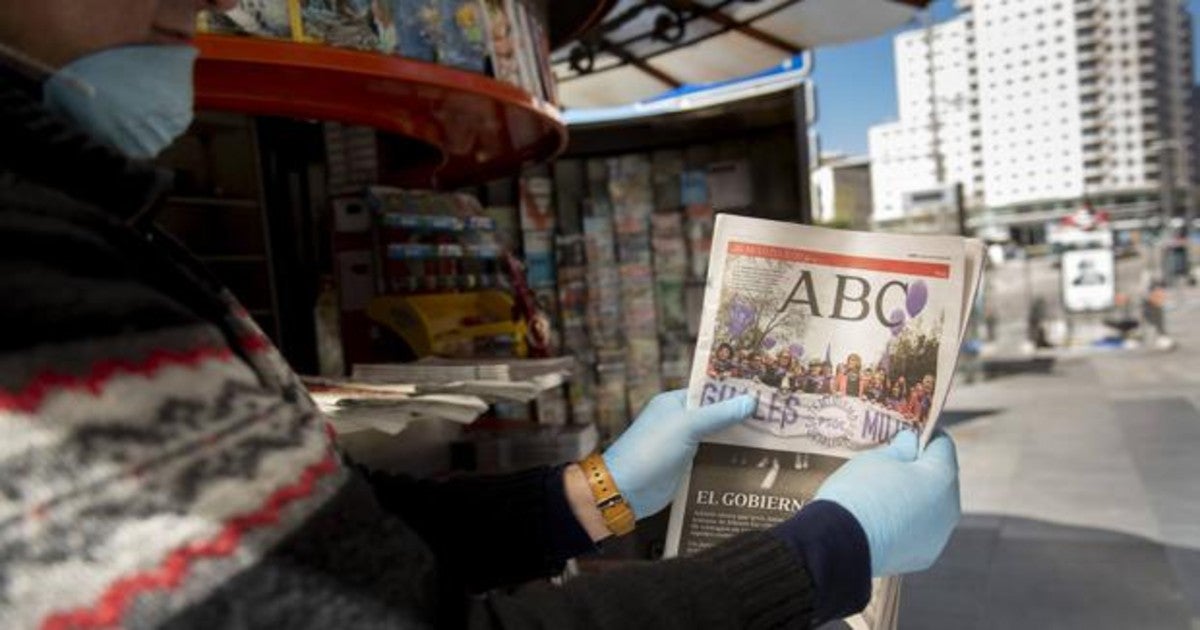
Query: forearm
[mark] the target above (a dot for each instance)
(489, 531)
(583, 504)
(753, 581)
(812, 569)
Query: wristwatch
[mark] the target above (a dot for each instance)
(618, 516)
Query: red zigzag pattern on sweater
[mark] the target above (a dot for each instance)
(31, 397)
(170, 573)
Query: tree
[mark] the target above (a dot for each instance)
(914, 352)
(745, 318)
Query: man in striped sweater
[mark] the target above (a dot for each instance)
(161, 465)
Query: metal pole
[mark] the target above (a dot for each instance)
(961, 207)
(935, 123)
(803, 159)
(1189, 212)
(1166, 190)
(1189, 216)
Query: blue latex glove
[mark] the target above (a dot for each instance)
(648, 460)
(907, 506)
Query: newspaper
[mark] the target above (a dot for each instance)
(494, 380)
(845, 339)
(354, 407)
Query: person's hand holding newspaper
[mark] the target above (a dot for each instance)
(906, 502)
(648, 461)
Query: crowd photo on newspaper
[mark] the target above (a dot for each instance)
(787, 370)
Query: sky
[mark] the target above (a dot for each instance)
(856, 86)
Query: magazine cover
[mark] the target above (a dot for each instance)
(537, 202)
(540, 47)
(700, 219)
(693, 195)
(462, 43)
(418, 28)
(345, 23)
(522, 47)
(668, 167)
(502, 47)
(263, 18)
(670, 272)
(845, 338)
(539, 258)
(384, 21)
(612, 412)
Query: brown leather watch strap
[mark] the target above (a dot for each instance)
(618, 516)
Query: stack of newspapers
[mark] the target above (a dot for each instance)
(354, 406)
(494, 380)
(388, 397)
(845, 339)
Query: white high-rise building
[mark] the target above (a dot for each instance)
(1041, 104)
(904, 153)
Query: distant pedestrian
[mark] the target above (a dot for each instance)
(1154, 313)
(1037, 323)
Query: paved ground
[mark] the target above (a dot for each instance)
(1081, 490)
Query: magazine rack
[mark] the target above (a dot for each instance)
(478, 128)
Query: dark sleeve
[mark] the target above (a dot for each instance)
(752, 581)
(811, 569)
(834, 549)
(489, 531)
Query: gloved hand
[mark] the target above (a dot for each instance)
(648, 460)
(907, 506)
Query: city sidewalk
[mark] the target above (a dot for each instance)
(1081, 496)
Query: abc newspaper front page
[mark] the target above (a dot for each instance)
(845, 338)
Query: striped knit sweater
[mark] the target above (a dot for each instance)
(161, 465)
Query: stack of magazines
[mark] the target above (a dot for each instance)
(845, 339)
(493, 380)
